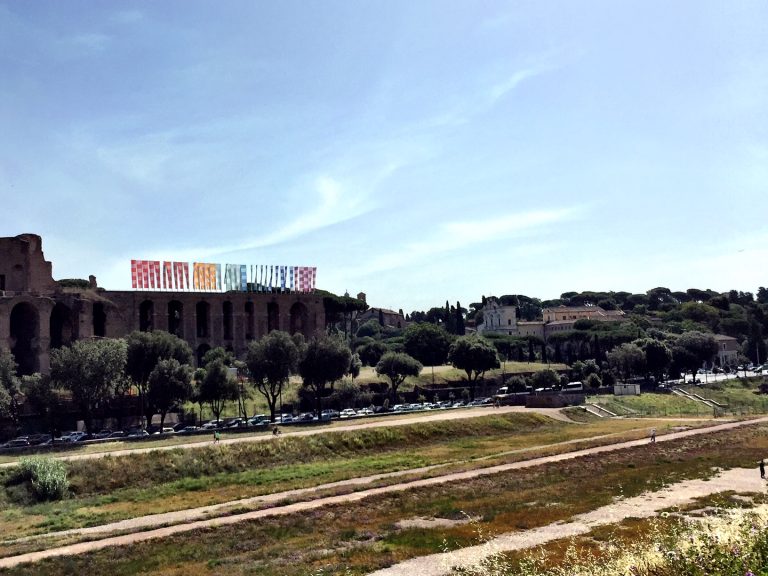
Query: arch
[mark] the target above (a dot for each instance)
(227, 312)
(99, 316)
(299, 319)
(61, 326)
(273, 317)
(176, 318)
(25, 331)
(147, 316)
(203, 314)
(249, 321)
(201, 350)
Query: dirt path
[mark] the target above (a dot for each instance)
(389, 421)
(128, 539)
(739, 480)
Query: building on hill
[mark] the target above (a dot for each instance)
(383, 316)
(501, 319)
(38, 314)
(727, 350)
(498, 319)
(574, 313)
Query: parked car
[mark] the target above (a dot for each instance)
(16, 443)
(189, 429)
(117, 434)
(258, 420)
(364, 412)
(140, 433)
(102, 434)
(329, 414)
(347, 413)
(35, 439)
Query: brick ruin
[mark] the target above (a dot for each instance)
(38, 314)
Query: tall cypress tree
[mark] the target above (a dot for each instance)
(459, 320)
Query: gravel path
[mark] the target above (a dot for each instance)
(355, 496)
(739, 480)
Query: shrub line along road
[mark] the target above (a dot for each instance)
(128, 539)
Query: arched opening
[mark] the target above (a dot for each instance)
(228, 320)
(25, 330)
(203, 312)
(201, 350)
(273, 317)
(176, 318)
(61, 326)
(99, 320)
(249, 321)
(299, 319)
(147, 316)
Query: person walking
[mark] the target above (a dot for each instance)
(762, 469)
(653, 435)
(216, 436)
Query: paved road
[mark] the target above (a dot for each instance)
(353, 425)
(128, 539)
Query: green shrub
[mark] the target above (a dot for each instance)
(47, 476)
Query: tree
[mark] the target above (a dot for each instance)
(9, 386)
(217, 387)
(691, 350)
(627, 360)
(371, 353)
(593, 381)
(90, 369)
(43, 398)
(475, 356)
(371, 328)
(397, 366)
(170, 384)
(271, 361)
(325, 360)
(545, 379)
(427, 343)
(460, 328)
(658, 356)
(355, 364)
(145, 350)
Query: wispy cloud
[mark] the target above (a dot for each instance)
(500, 90)
(452, 236)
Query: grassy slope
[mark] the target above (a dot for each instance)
(361, 537)
(113, 488)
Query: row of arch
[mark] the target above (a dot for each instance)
(36, 328)
(63, 328)
(298, 318)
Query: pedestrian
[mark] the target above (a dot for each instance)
(275, 431)
(653, 435)
(762, 469)
(216, 436)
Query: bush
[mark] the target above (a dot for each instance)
(47, 476)
(593, 381)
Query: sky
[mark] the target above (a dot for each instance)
(415, 151)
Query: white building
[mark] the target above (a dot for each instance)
(498, 319)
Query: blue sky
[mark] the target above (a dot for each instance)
(416, 151)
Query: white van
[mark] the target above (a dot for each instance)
(574, 387)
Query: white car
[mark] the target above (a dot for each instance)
(347, 413)
(364, 412)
